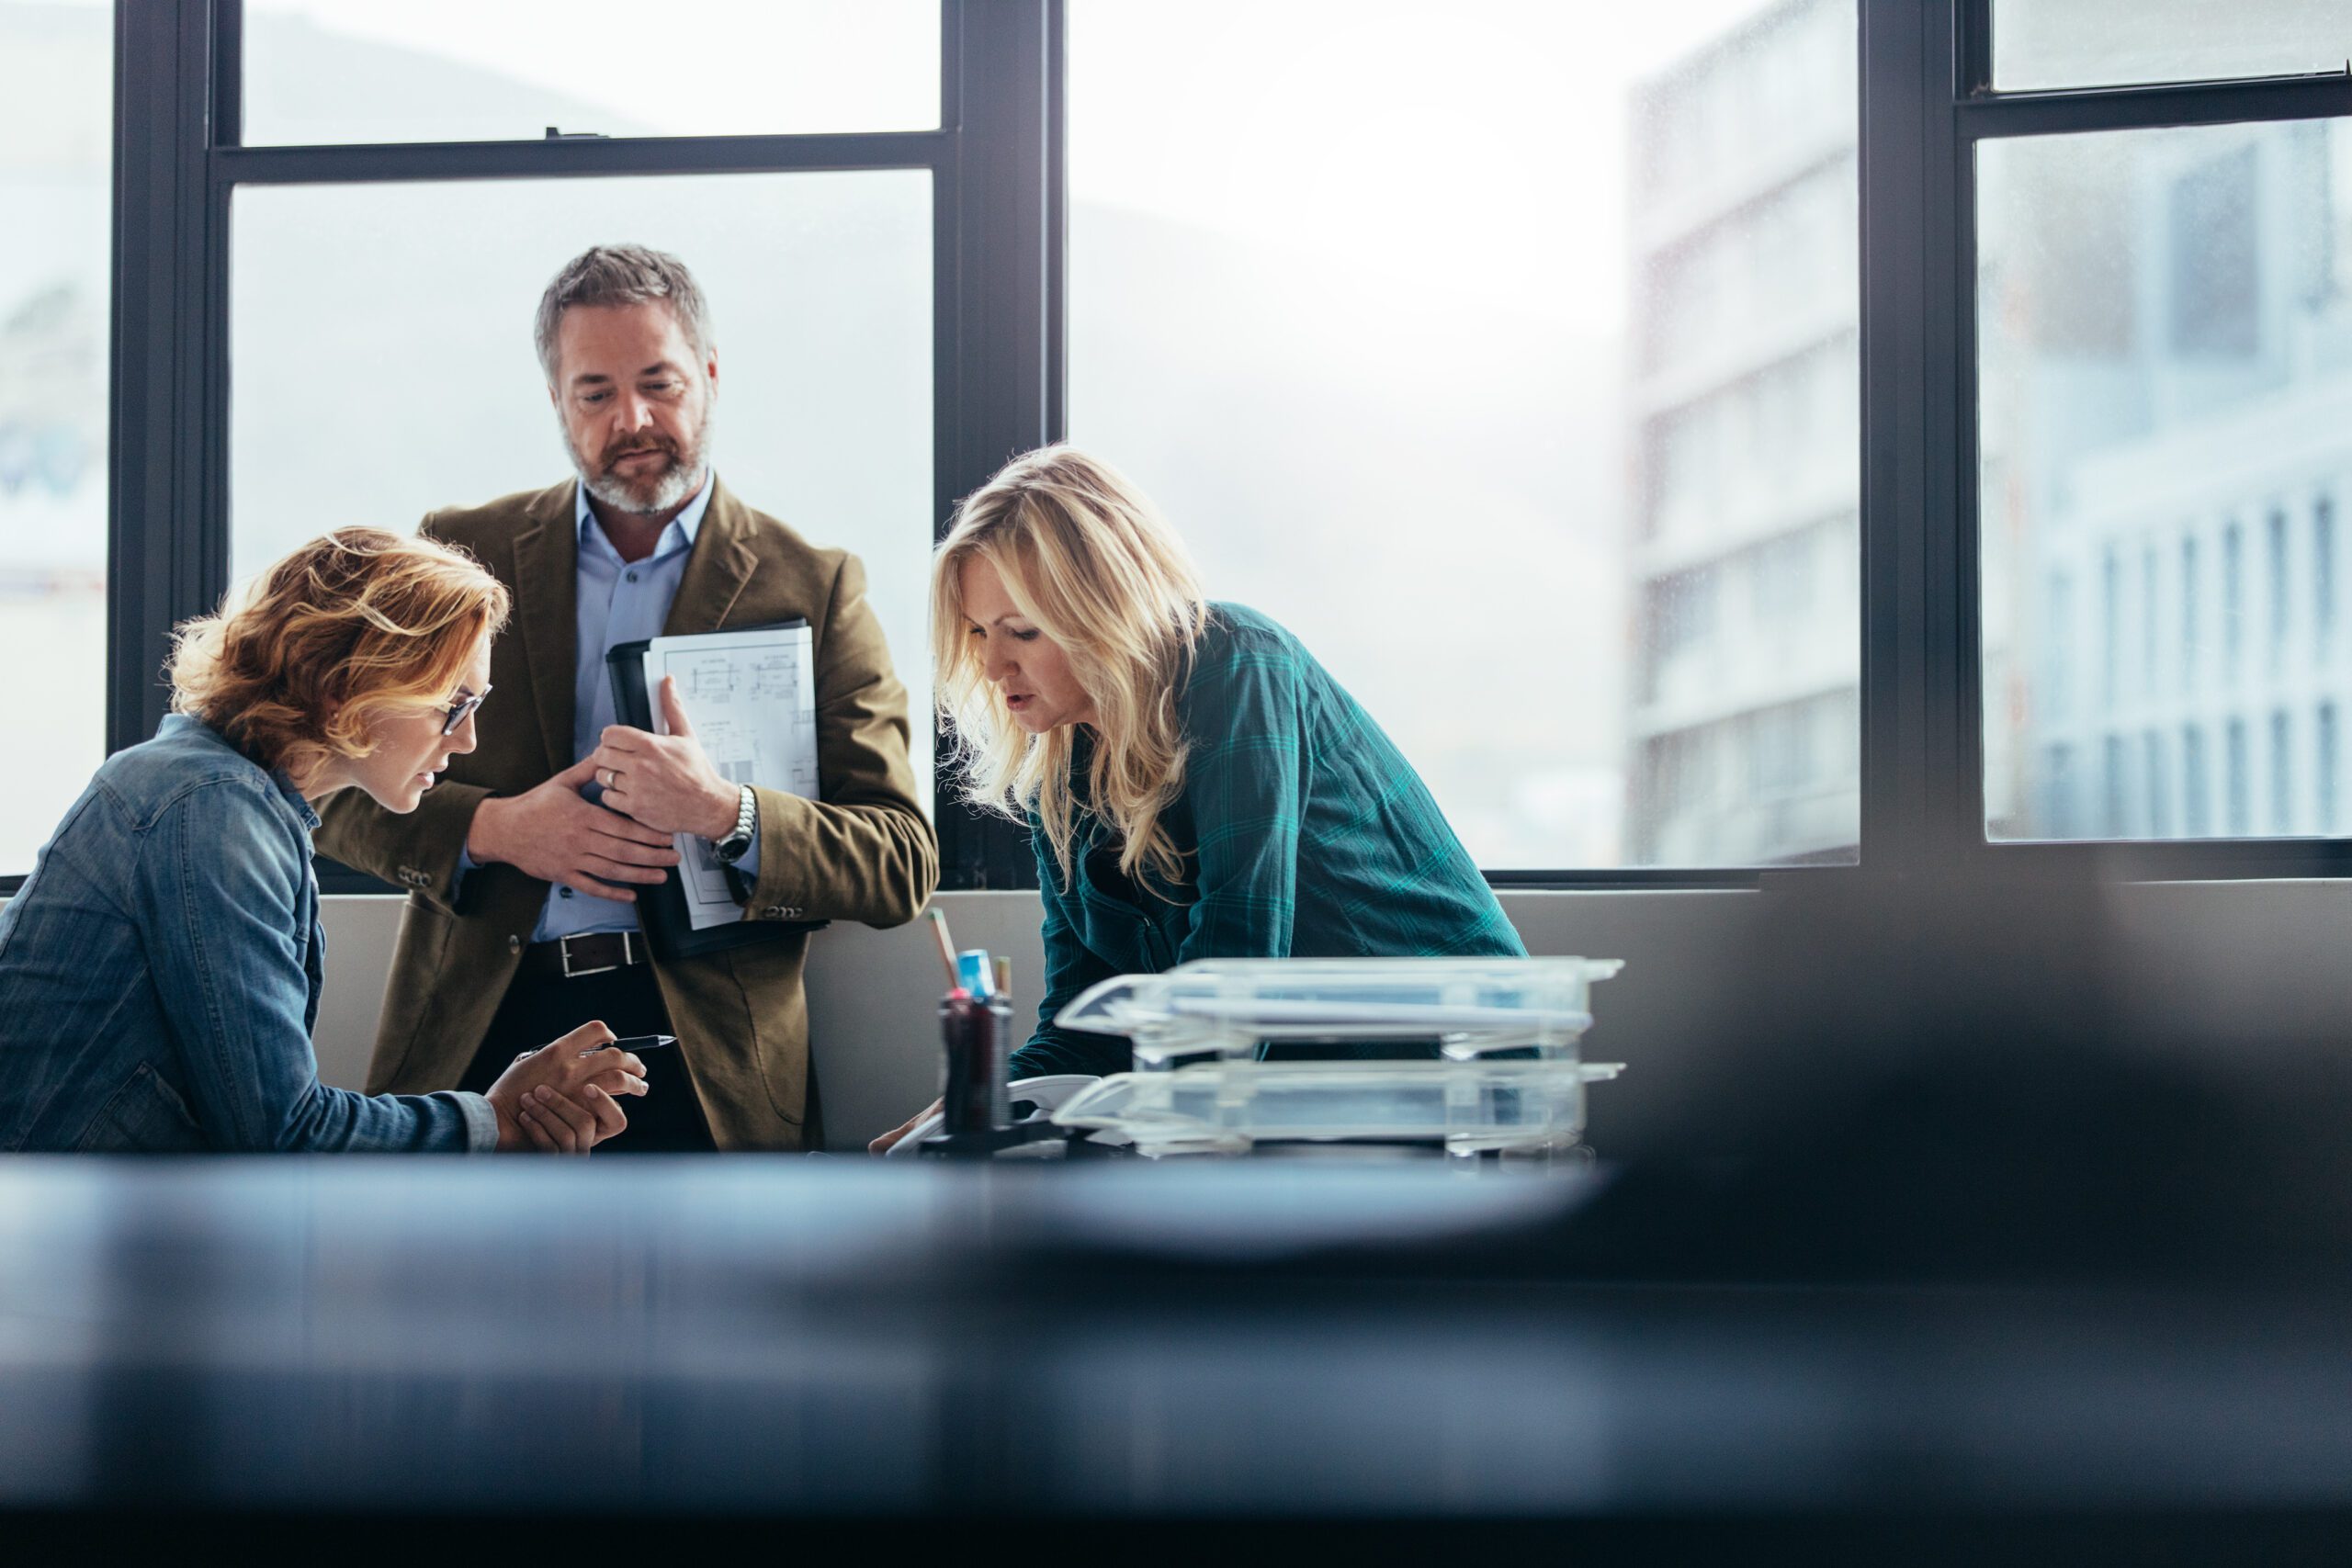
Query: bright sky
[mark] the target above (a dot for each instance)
(705, 67)
(1502, 124)
(749, 50)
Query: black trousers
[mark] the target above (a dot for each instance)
(665, 1119)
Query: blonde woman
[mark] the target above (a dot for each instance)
(1195, 785)
(160, 969)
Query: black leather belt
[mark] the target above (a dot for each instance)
(590, 952)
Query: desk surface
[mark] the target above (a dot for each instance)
(835, 1337)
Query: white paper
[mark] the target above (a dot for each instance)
(751, 699)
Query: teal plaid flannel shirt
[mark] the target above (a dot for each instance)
(1305, 831)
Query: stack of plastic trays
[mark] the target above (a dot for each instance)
(1506, 1077)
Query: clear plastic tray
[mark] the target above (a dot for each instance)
(1467, 1097)
(1222, 1106)
(1467, 1006)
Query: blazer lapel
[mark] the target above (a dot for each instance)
(722, 562)
(547, 591)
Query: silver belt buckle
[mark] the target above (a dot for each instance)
(563, 951)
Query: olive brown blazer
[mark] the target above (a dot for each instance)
(865, 852)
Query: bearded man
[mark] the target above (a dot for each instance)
(521, 876)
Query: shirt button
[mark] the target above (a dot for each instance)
(565, 891)
(514, 944)
(632, 577)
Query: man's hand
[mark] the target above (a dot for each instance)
(553, 834)
(559, 1097)
(883, 1144)
(665, 782)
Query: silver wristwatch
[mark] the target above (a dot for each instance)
(738, 844)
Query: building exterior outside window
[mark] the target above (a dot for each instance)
(2192, 452)
(1746, 439)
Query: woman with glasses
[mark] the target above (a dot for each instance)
(160, 969)
(1195, 785)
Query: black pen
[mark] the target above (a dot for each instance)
(636, 1043)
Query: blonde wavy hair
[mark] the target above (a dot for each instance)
(1091, 564)
(356, 624)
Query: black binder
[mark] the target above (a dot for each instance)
(661, 911)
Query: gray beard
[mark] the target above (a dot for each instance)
(672, 490)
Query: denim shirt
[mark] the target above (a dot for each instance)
(160, 974)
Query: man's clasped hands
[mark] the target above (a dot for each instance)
(560, 1098)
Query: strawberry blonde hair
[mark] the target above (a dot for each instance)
(356, 624)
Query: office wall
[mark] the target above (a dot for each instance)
(2243, 971)
(872, 993)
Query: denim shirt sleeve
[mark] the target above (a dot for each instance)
(221, 883)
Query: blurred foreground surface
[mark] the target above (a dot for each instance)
(740, 1339)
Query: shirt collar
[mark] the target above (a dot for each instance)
(175, 724)
(678, 535)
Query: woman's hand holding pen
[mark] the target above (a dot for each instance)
(560, 1098)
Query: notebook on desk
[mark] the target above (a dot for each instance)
(751, 696)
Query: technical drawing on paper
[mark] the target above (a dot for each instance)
(751, 699)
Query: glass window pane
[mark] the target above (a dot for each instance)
(2096, 43)
(1533, 412)
(2164, 341)
(56, 154)
(375, 70)
(374, 377)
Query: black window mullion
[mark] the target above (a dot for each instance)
(1001, 382)
(157, 570)
(206, 255)
(227, 73)
(1660, 877)
(1057, 223)
(951, 66)
(2153, 107)
(2185, 860)
(1902, 524)
(581, 158)
(957, 828)
(1955, 758)
(1972, 47)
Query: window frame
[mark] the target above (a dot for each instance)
(999, 256)
(1961, 109)
(994, 162)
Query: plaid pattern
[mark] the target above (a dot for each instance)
(1308, 833)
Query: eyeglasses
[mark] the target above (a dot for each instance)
(457, 712)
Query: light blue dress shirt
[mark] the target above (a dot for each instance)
(616, 601)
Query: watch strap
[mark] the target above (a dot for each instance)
(733, 847)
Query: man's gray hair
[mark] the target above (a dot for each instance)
(622, 275)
